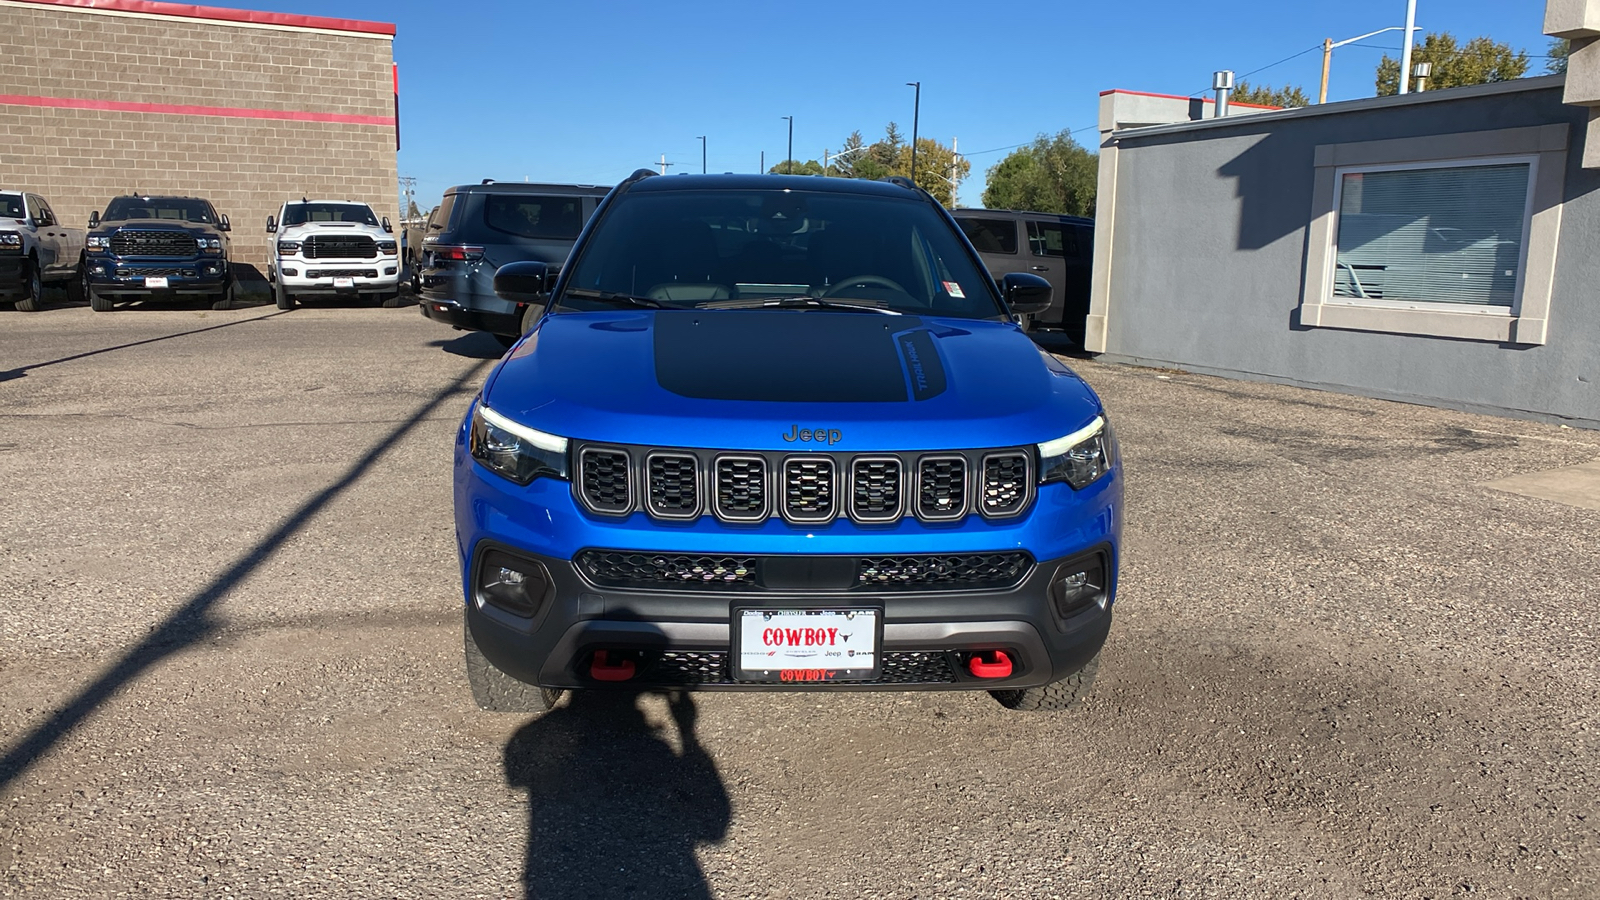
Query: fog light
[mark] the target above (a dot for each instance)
(291, 272)
(1079, 585)
(518, 586)
(388, 270)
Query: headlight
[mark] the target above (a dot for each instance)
(10, 239)
(210, 245)
(1081, 457)
(513, 451)
(288, 248)
(388, 248)
(99, 242)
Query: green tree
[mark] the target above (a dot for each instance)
(1289, 96)
(1557, 63)
(809, 167)
(1053, 174)
(940, 170)
(1480, 61)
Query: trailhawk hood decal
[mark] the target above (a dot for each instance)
(753, 379)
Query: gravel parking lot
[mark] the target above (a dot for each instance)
(230, 660)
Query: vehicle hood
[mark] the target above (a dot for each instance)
(746, 379)
(194, 228)
(301, 232)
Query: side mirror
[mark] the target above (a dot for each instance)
(223, 225)
(522, 282)
(386, 226)
(272, 224)
(1025, 294)
(94, 219)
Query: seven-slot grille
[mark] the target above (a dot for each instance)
(132, 242)
(811, 488)
(674, 485)
(339, 246)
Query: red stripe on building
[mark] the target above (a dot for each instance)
(1177, 97)
(218, 14)
(175, 109)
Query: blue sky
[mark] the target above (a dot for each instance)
(589, 91)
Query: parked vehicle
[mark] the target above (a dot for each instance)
(478, 228)
(148, 247)
(35, 250)
(773, 433)
(1058, 248)
(411, 242)
(332, 248)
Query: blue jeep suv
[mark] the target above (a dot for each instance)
(777, 433)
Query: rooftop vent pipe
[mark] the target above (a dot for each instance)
(1222, 83)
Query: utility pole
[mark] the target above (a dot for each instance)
(1405, 53)
(663, 164)
(763, 169)
(702, 154)
(408, 187)
(1329, 45)
(916, 114)
(788, 162)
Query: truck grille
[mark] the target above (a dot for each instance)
(341, 273)
(741, 487)
(1007, 483)
(155, 271)
(339, 246)
(674, 485)
(804, 489)
(604, 479)
(808, 489)
(131, 242)
(972, 572)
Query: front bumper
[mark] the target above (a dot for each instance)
(130, 278)
(681, 639)
(339, 277)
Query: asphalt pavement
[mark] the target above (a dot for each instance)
(230, 659)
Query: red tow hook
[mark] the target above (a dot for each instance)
(603, 669)
(998, 667)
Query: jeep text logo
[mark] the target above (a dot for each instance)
(820, 435)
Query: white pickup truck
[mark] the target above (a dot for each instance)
(35, 250)
(331, 248)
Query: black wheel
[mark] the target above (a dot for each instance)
(415, 270)
(1063, 694)
(496, 691)
(530, 317)
(97, 301)
(284, 298)
(33, 300)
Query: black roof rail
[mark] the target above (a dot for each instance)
(487, 181)
(639, 175)
(901, 180)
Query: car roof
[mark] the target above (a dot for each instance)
(750, 182)
(1020, 214)
(158, 197)
(523, 187)
(336, 202)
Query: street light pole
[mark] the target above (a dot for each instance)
(702, 154)
(788, 162)
(1405, 53)
(916, 115)
(1329, 45)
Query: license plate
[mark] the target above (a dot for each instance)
(807, 645)
(344, 282)
(154, 281)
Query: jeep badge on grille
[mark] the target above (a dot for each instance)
(819, 435)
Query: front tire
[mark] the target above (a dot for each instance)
(1059, 695)
(496, 691)
(284, 299)
(33, 300)
(97, 301)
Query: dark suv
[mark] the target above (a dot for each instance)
(157, 247)
(478, 228)
(1057, 248)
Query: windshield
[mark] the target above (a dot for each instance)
(11, 206)
(183, 209)
(691, 248)
(350, 213)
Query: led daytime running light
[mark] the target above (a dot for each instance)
(540, 439)
(1062, 444)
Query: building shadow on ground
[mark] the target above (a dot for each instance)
(613, 809)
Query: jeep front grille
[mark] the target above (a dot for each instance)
(809, 493)
(711, 667)
(674, 485)
(1007, 484)
(615, 568)
(741, 486)
(604, 475)
(339, 246)
(804, 489)
(134, 242)
(925, 572)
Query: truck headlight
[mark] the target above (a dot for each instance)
(1080, 458)
(10, 239)
(288, 248)
(99, 242)
(388, 248)
(515, 452)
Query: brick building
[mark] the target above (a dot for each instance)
(246, 109)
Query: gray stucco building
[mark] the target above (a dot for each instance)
(1439, 247)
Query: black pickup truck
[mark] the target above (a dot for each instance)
(157, 248)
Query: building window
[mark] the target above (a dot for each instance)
(1450, 233)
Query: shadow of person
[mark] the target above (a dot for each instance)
(613, 810)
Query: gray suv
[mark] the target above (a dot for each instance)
(480, 227)
(1057, 248)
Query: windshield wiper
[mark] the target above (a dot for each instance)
(802, 301)
(613, 297)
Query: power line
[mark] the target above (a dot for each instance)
(1311, 49)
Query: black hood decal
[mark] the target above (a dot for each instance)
(795, 357)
